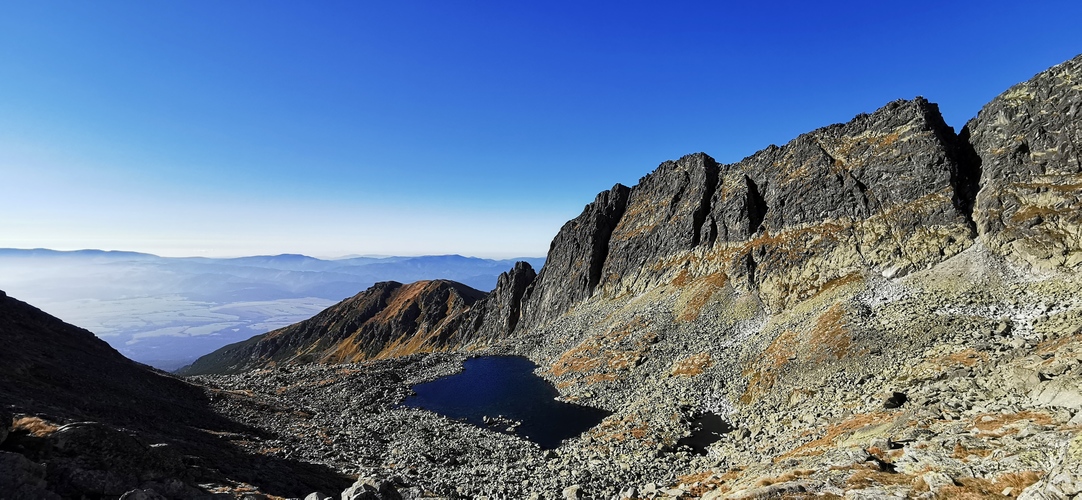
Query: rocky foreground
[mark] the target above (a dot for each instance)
(881, 308)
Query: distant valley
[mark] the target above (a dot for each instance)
(166, 311)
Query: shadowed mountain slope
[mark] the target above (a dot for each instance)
(128, 426)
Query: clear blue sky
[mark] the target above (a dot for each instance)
(331, 128)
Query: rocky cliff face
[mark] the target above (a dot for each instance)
(575, 259)
(887, 193)
(498, 314)
(880, 193)
(1029, 140)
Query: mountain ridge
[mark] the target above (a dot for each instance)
(737, 213)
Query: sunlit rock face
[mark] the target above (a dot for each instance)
(883, 192)
(1029, 140)
(387, 320)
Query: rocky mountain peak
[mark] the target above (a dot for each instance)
(1029, 142)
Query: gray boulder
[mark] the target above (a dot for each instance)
(21, 479)
(371, 488)
(5, 424)
(90, 458)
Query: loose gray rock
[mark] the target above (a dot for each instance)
(21, 479)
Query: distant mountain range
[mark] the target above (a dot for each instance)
(167, 311)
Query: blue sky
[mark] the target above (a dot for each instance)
(334, 128)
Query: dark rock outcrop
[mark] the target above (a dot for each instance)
(497, 315)
(5, 424)
(171, 438)
(666, 213)
(576, 258)
(874, 194)
(22, 479)
(1029, 141)
(89, 458)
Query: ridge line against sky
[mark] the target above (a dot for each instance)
(477, 128)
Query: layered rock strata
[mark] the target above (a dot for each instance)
(1029, 141)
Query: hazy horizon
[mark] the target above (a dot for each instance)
(279, 254)
(167, 311)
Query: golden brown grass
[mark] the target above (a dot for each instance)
(34, 425)
(701, 290)
(827, 340)
(692, 365)
(832, 433)
(630, 426)
(870, 477)
(784, 478)
(830, 335)
(975, 488)
(1052, 345)
(962, 453)
(996, 424)
(697, 484)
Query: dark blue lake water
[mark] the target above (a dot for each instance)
(506, 385)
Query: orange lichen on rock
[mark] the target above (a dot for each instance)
(830, 337)
(1003, 424)
(619, 429)
(839, 430)
(692, 365)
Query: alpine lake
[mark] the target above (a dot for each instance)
(504, 394)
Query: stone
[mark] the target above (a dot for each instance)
(937, 480)
(573, 492)
(93, 458)
(6, 420)
(895, 400)
(141, 494)
(371, 488)
(1064, 391)
(575, 259)
(21, 479)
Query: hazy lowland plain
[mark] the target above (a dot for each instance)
(166, 312)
